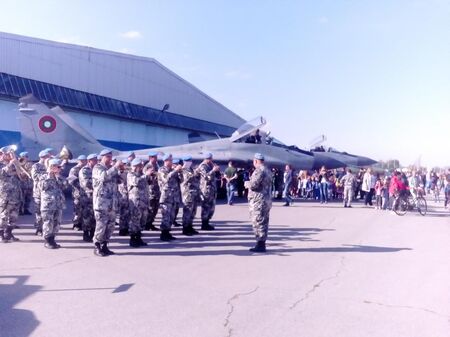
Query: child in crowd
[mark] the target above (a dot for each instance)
(378, 189)
(385, 193)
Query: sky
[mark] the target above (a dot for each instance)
(373, 76)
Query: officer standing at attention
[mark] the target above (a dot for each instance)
(74, 182)
(26, 184)
(190, 193)
(9, 194)
(52, 185)
(153, 190)
(37, 170)
(137, 183)
(177, 195)
(260, 201)
(123, 214)
(86, 203)
(104, 180)
(167, 178)
(208, 187)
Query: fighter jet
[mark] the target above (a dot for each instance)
(42, 127)
(344, 157)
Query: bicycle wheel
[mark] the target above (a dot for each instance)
(422, 205)
(400, 206)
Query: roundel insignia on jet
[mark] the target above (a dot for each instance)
(47, 124)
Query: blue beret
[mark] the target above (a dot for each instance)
(259, 156)
(207, 155)
(105, 152)
(167, 156)
(187, 158)
(43, 153)
(81, 157)
(54, 161)
(92, 156)
(136, 162)
(23, 154)
(175, 160)
(152, 154)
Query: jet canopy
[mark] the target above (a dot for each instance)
(248, 130)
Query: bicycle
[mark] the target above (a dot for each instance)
(405, 202)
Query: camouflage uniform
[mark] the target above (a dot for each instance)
(177, 199)
(52, 203)
(190, 192)
(167, 179)
(123, 214)
(74, 182)
(208, 190)
(260, 201)
(138, 201)
(9, 199)
(154, 193)
(104, 181)
(86, 201)
(26, 184)
(37, 171)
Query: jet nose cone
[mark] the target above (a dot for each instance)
(329, 163)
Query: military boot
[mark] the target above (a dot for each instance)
(86, 236)
(206, 226)
(1, 233)
(52, 238)
(166, 236)
(139, 239)
(38, 232)
(106, 250)
(259, 248)
(98, 250)
(124, 232)
(8, 235)
(134, 241)
(50, 243)
(91, 235)
(76, 227)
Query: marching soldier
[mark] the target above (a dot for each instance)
(86, 195)
(104, 180)
(37, 171)
(9, 194)
(123, 214)
(26, 184)
(208, 187)
(260, 202)
(51, 186)
(167, 178)
(177, 195)
(190, 192)
(74, 182)
(153, 190)
(137, 183)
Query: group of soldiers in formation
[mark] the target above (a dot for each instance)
(129, 192)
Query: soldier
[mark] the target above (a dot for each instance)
(37, 170)
(167, 179)
(153, 190)
(208, 189)
(123, 214)
(9, 194)
(137, 183)
(260, 201)
(74, 182)
(349, 182)
(190, 192)
(104, 181)
(51, 185)
(177, 195)
(86, 194)
(26, 184)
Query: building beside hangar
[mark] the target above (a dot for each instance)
(127, 102)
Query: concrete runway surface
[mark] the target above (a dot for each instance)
(329, 272)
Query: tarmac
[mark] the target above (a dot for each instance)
(329, 271)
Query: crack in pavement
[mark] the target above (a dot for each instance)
(230, 312)
(408, 307)
(317, 285)
(51, 266)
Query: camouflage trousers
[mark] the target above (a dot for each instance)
(77, 216)
(175, 210)
(189, 211)
(37, 211)
(25, 201)
(123, 216)
(9, 212)
(259, 215)
(87, 214)
(51, 221)
(138, 218)
(105, 220)
(166, 215)
(152, 210)
(208, 208)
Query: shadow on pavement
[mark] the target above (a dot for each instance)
(16, 322)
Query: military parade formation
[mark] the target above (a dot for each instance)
(128, 193)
